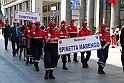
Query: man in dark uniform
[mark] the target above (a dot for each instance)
(51, 50)
(36, 37)
(73, 33)
(103, 52)
(14, 37)
(6, 32)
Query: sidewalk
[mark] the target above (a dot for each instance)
(13, 70)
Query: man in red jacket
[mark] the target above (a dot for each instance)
(85, 32)
(73, 33)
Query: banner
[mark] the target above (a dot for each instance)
(78, 44)
(25, 15)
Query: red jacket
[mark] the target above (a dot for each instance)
(37, 37)
(104, 36)
(64, 33)
(27, 32)
(84, 32)
(73, 31)
(48, 35)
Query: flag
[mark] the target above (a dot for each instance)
(11, 16)
(1, 18)
(112, 2)
(122, 1)
(105, 1)
(73, 6)
(6, 17)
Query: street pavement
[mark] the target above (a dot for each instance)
(13, 70)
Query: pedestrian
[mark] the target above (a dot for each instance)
(36, 37)
(51, 37)
(64, 33)
(113, 37)
(22, 42)
(85, 32)
(103, 52)
(14, 38)
(6, 32)
(122, 46)
(29, 56)
(73, 33)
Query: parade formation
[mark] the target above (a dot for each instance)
(32, 40)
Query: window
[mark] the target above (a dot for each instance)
(77, 6)
(58, 5)
(55, 5)
(48, 8)
(44, 8)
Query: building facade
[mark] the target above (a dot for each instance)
(44, 7)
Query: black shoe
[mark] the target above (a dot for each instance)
(83, 65)
(76, 61)
(37, 69)
(51, 76)
(5, 48)
(27, 61)
(46, 75)
(102, 72)
(69, 60)
(13, 54)
(86, 64)
(65, 68)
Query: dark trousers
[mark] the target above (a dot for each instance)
(64, 58)
(103, 54)
(13, 47)
(36, 50)
(50, 56)
(122, 56)
(83, 59)
(6, 40)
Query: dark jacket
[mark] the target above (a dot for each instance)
(13, 35)
(6, 30)
(122, 37)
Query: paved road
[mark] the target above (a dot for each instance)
(13, 70)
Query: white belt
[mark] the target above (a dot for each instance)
(36, 37)
(53, 42)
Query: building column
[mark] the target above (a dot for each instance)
(13, 12)
(24, 6)
(104, 13)
(88, 10)
(97, 13)
(112, 16)
(38, 7)
(82, 11)
(33, 5)
(62, 7)
(68, 12)
(91, 15)
(18, 8)
(9, 14)
(30, 5)
(117, 12)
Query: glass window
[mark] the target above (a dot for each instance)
(44, 8)
(58, 5)
(122, 14)
(55, 4)
(49, 8)
(77, 6)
